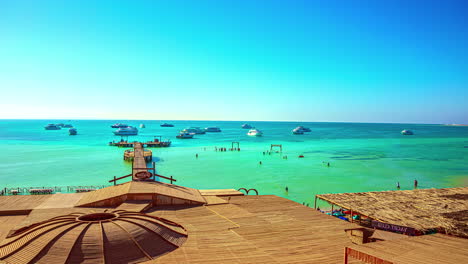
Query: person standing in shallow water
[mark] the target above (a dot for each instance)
(415, 184)
(398, 186)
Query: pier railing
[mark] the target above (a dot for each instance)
(50, 189)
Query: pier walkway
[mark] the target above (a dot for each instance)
(139, 161)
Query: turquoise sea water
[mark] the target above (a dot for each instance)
(362, 157)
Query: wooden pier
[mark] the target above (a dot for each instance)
(140, 172)
(155, 143)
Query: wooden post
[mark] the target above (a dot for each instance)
(346, 255)
(332, 209)
(351, 218)
(315, 203)
(171, 179)
(115, 180)
(154, 171)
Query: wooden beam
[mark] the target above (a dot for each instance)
(116, 179)
(164, 177)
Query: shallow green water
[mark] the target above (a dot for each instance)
(362, 157)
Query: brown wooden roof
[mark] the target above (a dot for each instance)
(111, 237)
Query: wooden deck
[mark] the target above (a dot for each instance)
(437, 248)
(257, 229)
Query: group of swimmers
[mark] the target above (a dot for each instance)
(225, 149)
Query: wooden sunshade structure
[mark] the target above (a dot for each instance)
(424, 210)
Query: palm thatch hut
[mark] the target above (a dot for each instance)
(423, 210)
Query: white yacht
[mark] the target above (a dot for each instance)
(72, 131)
(246, 126)
(255, 132)
(194, 130)
(119, 125)
(298, 131)
(142, 126)
(185, 135)
(212, 129)
(126, 131)
(52, 127)
(407, 132)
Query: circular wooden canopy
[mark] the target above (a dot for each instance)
(106, 237)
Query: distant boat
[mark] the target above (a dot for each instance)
(303, 129)
(167, 125)
(60, 124)
(126, 131)
(212, 129)
(246, 126)
(255, 132)
(194, 130)
(142, 126)
(298, 131)
(407, 132)
(67, 125)
(185, 135)
(52, 127)
(72, 131)
(119, 125)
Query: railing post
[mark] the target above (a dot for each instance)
(115, 180)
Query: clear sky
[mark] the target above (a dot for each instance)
(352, 61)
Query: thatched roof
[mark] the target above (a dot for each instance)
(420, 209)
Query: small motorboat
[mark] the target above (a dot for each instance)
(126, 131)
(303, 129)
(52, 127)
(119, 125)
(67, 125)
(246, 126)
(407, 132)
(255, 132)
(185, 135)
(298, 131)
(142, 126)
(72, 131)
(212, 129)
(301, 156)
(167, 125)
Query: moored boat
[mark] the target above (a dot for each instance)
(246, 126)
(303, 129)
(126, 131)
(407, 132)
(185, 135)
(142, 126)
(167, 125)
(72, 131)
(52, 127)
(67, 125)
(255, 132)
(119, 125)
(297, 131)
(212, 129)
(194, 130)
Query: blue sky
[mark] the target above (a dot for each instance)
(352, 61)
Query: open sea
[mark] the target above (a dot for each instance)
(362, 157)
